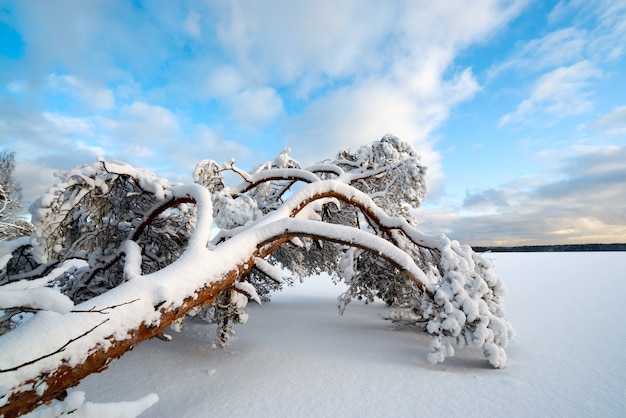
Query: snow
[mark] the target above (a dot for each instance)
(281, 173)
(268, 269)
(7, 248)
(76, 407)
(337, 233)
(297, 358)
(204, 205)
(38, 298)
(249, 290)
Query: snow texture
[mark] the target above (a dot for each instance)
(38, 298)
(268, 269)
(7, 247)
(75, 406)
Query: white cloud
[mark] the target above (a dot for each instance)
(70, 126)
(561, 47)
(606, 38)
(53, 35)
(34, 178)
(354, 69)
(560, 83)
(30, 132)
(16, 87)
(370, 67)
(224, 81)
(318, 42)
(288, 39)
(613, 123)
(462, 87)
(559, 93)
(192, 24)
(213, 146)
(245, 102)
(91, 95)
(257, 106)
(585, 37)
(142, 123)
(363, 112)
(590, 31)
(141, 151)
(203, 143)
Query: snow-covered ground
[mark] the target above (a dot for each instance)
(296, 357)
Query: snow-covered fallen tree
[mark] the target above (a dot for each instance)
(118, 255)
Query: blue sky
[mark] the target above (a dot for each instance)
(518, 108)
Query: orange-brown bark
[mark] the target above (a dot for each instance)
(98, 360)
(66, 377)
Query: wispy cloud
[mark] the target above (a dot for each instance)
(566, 60)
(557, 94)
(256, 107)
(142, 122)
(99, 98)
(192, 24)
(558, 48)
(613, 123)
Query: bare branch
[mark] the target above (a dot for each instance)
(108, 308)
(157, 211)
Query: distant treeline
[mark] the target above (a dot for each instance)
(553, 248)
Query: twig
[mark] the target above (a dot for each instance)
(102, 311)
(63, 347)
(243, 292)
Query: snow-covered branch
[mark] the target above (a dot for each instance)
(337, 233)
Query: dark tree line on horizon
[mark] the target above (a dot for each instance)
(551, 248)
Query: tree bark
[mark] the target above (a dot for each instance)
(66, 377)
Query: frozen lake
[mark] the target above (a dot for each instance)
(296, 357)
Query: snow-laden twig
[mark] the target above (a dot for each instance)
(52, 353)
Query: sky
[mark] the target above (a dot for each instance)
(517, 107)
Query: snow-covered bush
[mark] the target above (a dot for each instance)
(115, 241)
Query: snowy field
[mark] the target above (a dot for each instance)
(296, 357)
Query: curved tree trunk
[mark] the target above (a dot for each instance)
(63, 377)
(98, 360)
(56, 381)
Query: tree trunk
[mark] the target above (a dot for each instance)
(66, 377)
